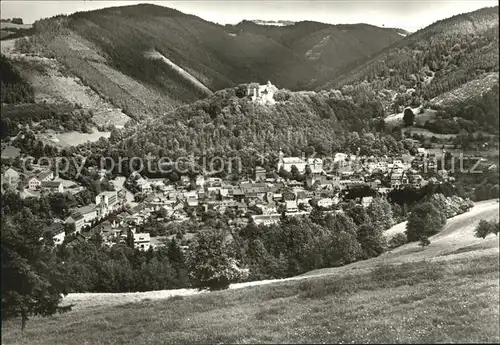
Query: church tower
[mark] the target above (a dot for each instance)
(280, 159)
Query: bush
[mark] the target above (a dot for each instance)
(397, 241)
(424, 242)
(282, 95)
(484, 228)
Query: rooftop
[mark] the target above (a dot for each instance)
(86, 209)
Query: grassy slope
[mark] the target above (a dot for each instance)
(455, 301)
(451, 297)
(53, 84)
(466, 92)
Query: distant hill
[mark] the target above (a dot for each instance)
(429, 62)
(106, 49)
(9, 30)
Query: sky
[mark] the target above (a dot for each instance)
(410, 15)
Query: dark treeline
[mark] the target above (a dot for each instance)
(14, 88)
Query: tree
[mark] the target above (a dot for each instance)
(281, 95)
(372, 240)
(424, 242)
(241, 90)
(481, 193)
(359, 215)
(210, 264)
(343, 249)
(130, 238)
(380, 125)
(408, 117)
(32, 282)
(295, 172)
(424, 220)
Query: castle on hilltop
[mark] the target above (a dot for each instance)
(262, 94)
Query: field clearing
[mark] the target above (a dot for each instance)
(409, 131)
(10, 152)
(72, 138)
(53, 85)
(396, 120)
(6, 25)
(493, 152)
(473, 89)
(185, 74)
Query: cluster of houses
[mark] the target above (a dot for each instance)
(43, 181)
(261, 198)
(107, 217)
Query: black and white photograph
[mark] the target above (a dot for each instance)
(249, 172)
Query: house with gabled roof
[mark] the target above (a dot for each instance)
(52, 186)
(11, 177)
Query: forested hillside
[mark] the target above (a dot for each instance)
(431, 61)
(228, 124)
(14, 88)
(108, 49)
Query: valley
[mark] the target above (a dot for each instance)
(168, 179)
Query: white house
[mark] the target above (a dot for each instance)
(200, 181)
(366, 201)
(325, 202)
(11, 176)
(291, 206)
(316, 165)
(77, 221)
(88, 212)
(142, 240)
(288, 162)
(36, 181)
(59, 238)
(266, 219)
(339, 157)
(52, 186)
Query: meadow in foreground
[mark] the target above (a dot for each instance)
(450, 301)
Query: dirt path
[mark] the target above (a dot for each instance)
(185, 74)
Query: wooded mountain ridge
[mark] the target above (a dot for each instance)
(108, 49)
